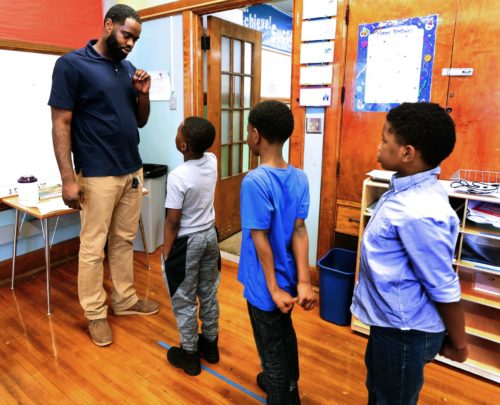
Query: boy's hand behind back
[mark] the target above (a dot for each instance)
(283, 300)
(453, 352)
(305, 295)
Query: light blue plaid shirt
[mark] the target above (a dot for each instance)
(406, 256)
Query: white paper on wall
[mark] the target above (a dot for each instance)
(316, 75)
(317, 52)
(319, 8)
(393, 65)
(316, 30)
(160, 86)
(316, 97)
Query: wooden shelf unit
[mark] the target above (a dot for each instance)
(482, 315)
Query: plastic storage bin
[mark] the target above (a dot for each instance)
(153, 207)
(336, 284)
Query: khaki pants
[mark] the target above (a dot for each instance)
(110, 212)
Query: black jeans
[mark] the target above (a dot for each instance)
(395, 361)
(277, 346)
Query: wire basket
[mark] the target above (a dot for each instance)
(476, 181)
(476, 175)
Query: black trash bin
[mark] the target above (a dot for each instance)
(153, 207)
(153, 170)
(336, 284)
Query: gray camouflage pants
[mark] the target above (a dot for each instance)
(190, 272)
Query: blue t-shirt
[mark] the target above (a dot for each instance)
(100, 93)
(271, 199)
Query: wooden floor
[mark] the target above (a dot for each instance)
(50, 360)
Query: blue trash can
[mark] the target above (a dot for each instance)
(336, 284)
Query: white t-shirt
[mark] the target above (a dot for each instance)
(191, 187)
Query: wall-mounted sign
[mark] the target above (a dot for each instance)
(316, 52)
(316, 97)
(395, 60)
(276, 26)
(316, 75)
(318, 8)
(317, 30)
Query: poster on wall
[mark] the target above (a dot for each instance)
(319, 8)
(394, 64)
(276, 26)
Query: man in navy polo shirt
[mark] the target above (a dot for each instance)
(98, 99)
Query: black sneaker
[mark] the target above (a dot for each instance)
(294, 389)
(187, 361)
(261, 381)
(208, 350)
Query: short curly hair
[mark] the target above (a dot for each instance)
(120, 12)
(273, 119)
(199, 133)
(425, 126)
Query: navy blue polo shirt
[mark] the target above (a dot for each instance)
(100, 93)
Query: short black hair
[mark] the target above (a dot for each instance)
(120, 12)
(425, 126)
(199, 133)
(273, 119)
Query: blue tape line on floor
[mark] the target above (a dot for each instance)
(225, 379)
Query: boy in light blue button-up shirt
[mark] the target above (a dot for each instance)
(408, 291)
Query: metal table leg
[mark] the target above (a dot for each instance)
(14, 250)
(144, 242)
(45, 224)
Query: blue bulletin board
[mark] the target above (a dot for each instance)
(394, 64)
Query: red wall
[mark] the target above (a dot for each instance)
(68, 23)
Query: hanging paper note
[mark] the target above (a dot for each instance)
(316, 52)
(316, 30)
(316, 75)
(319, 8)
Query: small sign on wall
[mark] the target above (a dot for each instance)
(314, 124)
(319, 8)
(317, 30)
(316, 75)
(316, 52)
(316, 97)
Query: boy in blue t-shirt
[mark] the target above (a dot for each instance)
(273, 265)
(407, 290)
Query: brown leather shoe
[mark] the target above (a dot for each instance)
(100, 332)
(141, 307)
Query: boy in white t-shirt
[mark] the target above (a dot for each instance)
(191, 263)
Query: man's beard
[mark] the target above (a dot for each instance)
(114, 49)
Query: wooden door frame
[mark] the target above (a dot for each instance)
(192, 11)
(227, 191)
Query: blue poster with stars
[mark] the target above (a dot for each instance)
(394, 63)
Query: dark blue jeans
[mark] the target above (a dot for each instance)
(277, 346)
(395, 361)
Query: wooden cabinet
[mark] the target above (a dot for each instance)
(482, 315)
(348, 218)
(464, 30)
